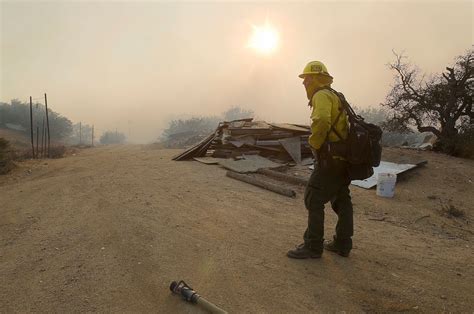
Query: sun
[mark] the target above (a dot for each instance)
(264, 39)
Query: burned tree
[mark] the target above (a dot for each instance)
(441, 104)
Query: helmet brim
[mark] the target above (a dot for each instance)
(303, 75)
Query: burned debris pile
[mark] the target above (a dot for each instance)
(250, 149)
(277, 141)
(259, 153)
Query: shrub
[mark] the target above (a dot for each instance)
(449, 210)
(57, 151)
(464, 143)
(6, 163)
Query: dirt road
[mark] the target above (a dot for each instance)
(109, 228)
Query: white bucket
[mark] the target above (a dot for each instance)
(386, 184)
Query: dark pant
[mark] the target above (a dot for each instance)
(329, 184)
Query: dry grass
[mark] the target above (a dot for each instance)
(449, 210)
(57, 151)
(6, 160)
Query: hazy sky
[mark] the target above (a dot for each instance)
(107, 63)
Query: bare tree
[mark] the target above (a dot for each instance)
(441, 104)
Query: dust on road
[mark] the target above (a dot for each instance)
(109, 228)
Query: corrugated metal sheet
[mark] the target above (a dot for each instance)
(250, 163)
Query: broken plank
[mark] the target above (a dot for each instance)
(261, 183)
(283, 176)
(208, 160)
(291, 127)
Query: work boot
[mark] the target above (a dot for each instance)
(304, 251)
(336, 247)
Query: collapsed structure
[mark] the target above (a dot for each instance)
(281, 141)
(259, 153)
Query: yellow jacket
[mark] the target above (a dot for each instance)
(325, 105)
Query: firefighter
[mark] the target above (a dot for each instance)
(329, 181)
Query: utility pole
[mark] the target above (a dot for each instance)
(31, 127)
(47, 119)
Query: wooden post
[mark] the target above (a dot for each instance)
(261, 183)
(283, 176)
(31, 127)
(42, 140)
(47, 121)
(37, 141)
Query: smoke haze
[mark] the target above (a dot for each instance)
(140, 64)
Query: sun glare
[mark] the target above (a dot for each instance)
(264, 39)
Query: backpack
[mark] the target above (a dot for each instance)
(362, 148)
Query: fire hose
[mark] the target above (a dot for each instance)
(190, 295)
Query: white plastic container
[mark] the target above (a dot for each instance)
(386, 184)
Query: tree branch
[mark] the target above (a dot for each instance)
(435, 106)
(430, 129)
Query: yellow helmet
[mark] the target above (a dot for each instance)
(315, 67)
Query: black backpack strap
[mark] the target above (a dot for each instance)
(345, 106)
(350, 112)
(333, 129)
(341, 110)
